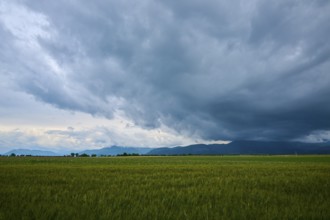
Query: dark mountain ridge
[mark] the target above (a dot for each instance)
(247, 147)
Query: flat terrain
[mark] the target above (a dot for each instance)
(186, 187)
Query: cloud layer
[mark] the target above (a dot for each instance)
(213, 69)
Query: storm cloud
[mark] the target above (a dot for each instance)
(218, 70)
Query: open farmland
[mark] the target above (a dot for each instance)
(186, 187)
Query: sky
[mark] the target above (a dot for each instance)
(78, 75)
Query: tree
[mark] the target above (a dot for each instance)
(13, 155)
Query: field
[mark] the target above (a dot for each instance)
(186, 187)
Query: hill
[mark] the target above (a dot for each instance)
(31, 152)
(115, 150)
(247, 147)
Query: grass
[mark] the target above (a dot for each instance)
(190, 187)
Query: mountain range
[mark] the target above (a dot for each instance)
(235, 147)
(31, 152)
(247, 147)
(115, 150)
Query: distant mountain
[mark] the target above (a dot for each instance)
(235, 147)
(115, 150)
(19, 152)
(247, 147)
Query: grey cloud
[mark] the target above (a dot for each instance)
(16, 138)
(218, 69)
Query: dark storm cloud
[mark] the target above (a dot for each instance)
(218, 69)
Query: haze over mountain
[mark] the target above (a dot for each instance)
(115, 150)
(31, 152)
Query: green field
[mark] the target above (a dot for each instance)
(187, 187)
